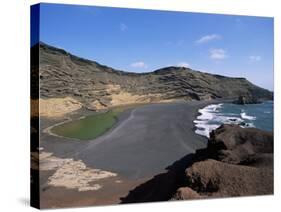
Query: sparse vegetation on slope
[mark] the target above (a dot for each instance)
(97, 86)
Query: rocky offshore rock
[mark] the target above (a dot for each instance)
(243, 100)
(237, 162)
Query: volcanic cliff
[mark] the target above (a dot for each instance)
(71, 80)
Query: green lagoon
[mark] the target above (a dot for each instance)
(89, 127)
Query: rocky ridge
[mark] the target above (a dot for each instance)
(95, 86)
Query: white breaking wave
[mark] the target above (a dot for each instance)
(245, 116)
(203, 127)
(210, 119)
(207, 112)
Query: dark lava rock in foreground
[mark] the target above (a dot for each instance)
(234, 144)
(186, 193)
(237, 162)
(213, 178)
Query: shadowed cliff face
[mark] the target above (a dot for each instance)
(97, 87)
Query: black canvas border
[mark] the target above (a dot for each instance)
(34, 102)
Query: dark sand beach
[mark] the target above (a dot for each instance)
(145, 142)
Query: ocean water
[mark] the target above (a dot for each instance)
(252, 115)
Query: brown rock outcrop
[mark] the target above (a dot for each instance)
(237, 162)
(186, 193)
(236, 145)
(218, 179)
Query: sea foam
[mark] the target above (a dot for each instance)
(211, 117)
(245, 116)
(202, 123)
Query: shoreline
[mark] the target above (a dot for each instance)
(121, 118)
(124, 108)
(157, 154)
(213, 116)
(164, 135)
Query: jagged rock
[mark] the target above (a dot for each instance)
(237, 162)
(233, 144)
(185, 193)
(219, 179)
(242, 100)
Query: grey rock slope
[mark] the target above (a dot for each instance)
(97, 86)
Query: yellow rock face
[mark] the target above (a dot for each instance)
(57, 107)
(97, 105)
(125, 98)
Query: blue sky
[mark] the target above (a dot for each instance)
(145, 40)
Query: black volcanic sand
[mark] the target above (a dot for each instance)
(144, 142)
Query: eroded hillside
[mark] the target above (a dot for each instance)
(74, 82)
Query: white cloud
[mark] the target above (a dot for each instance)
(255, 58)
(183, 64)
(208, 38)
(123, 27)
(218, 54)
(138, 64)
